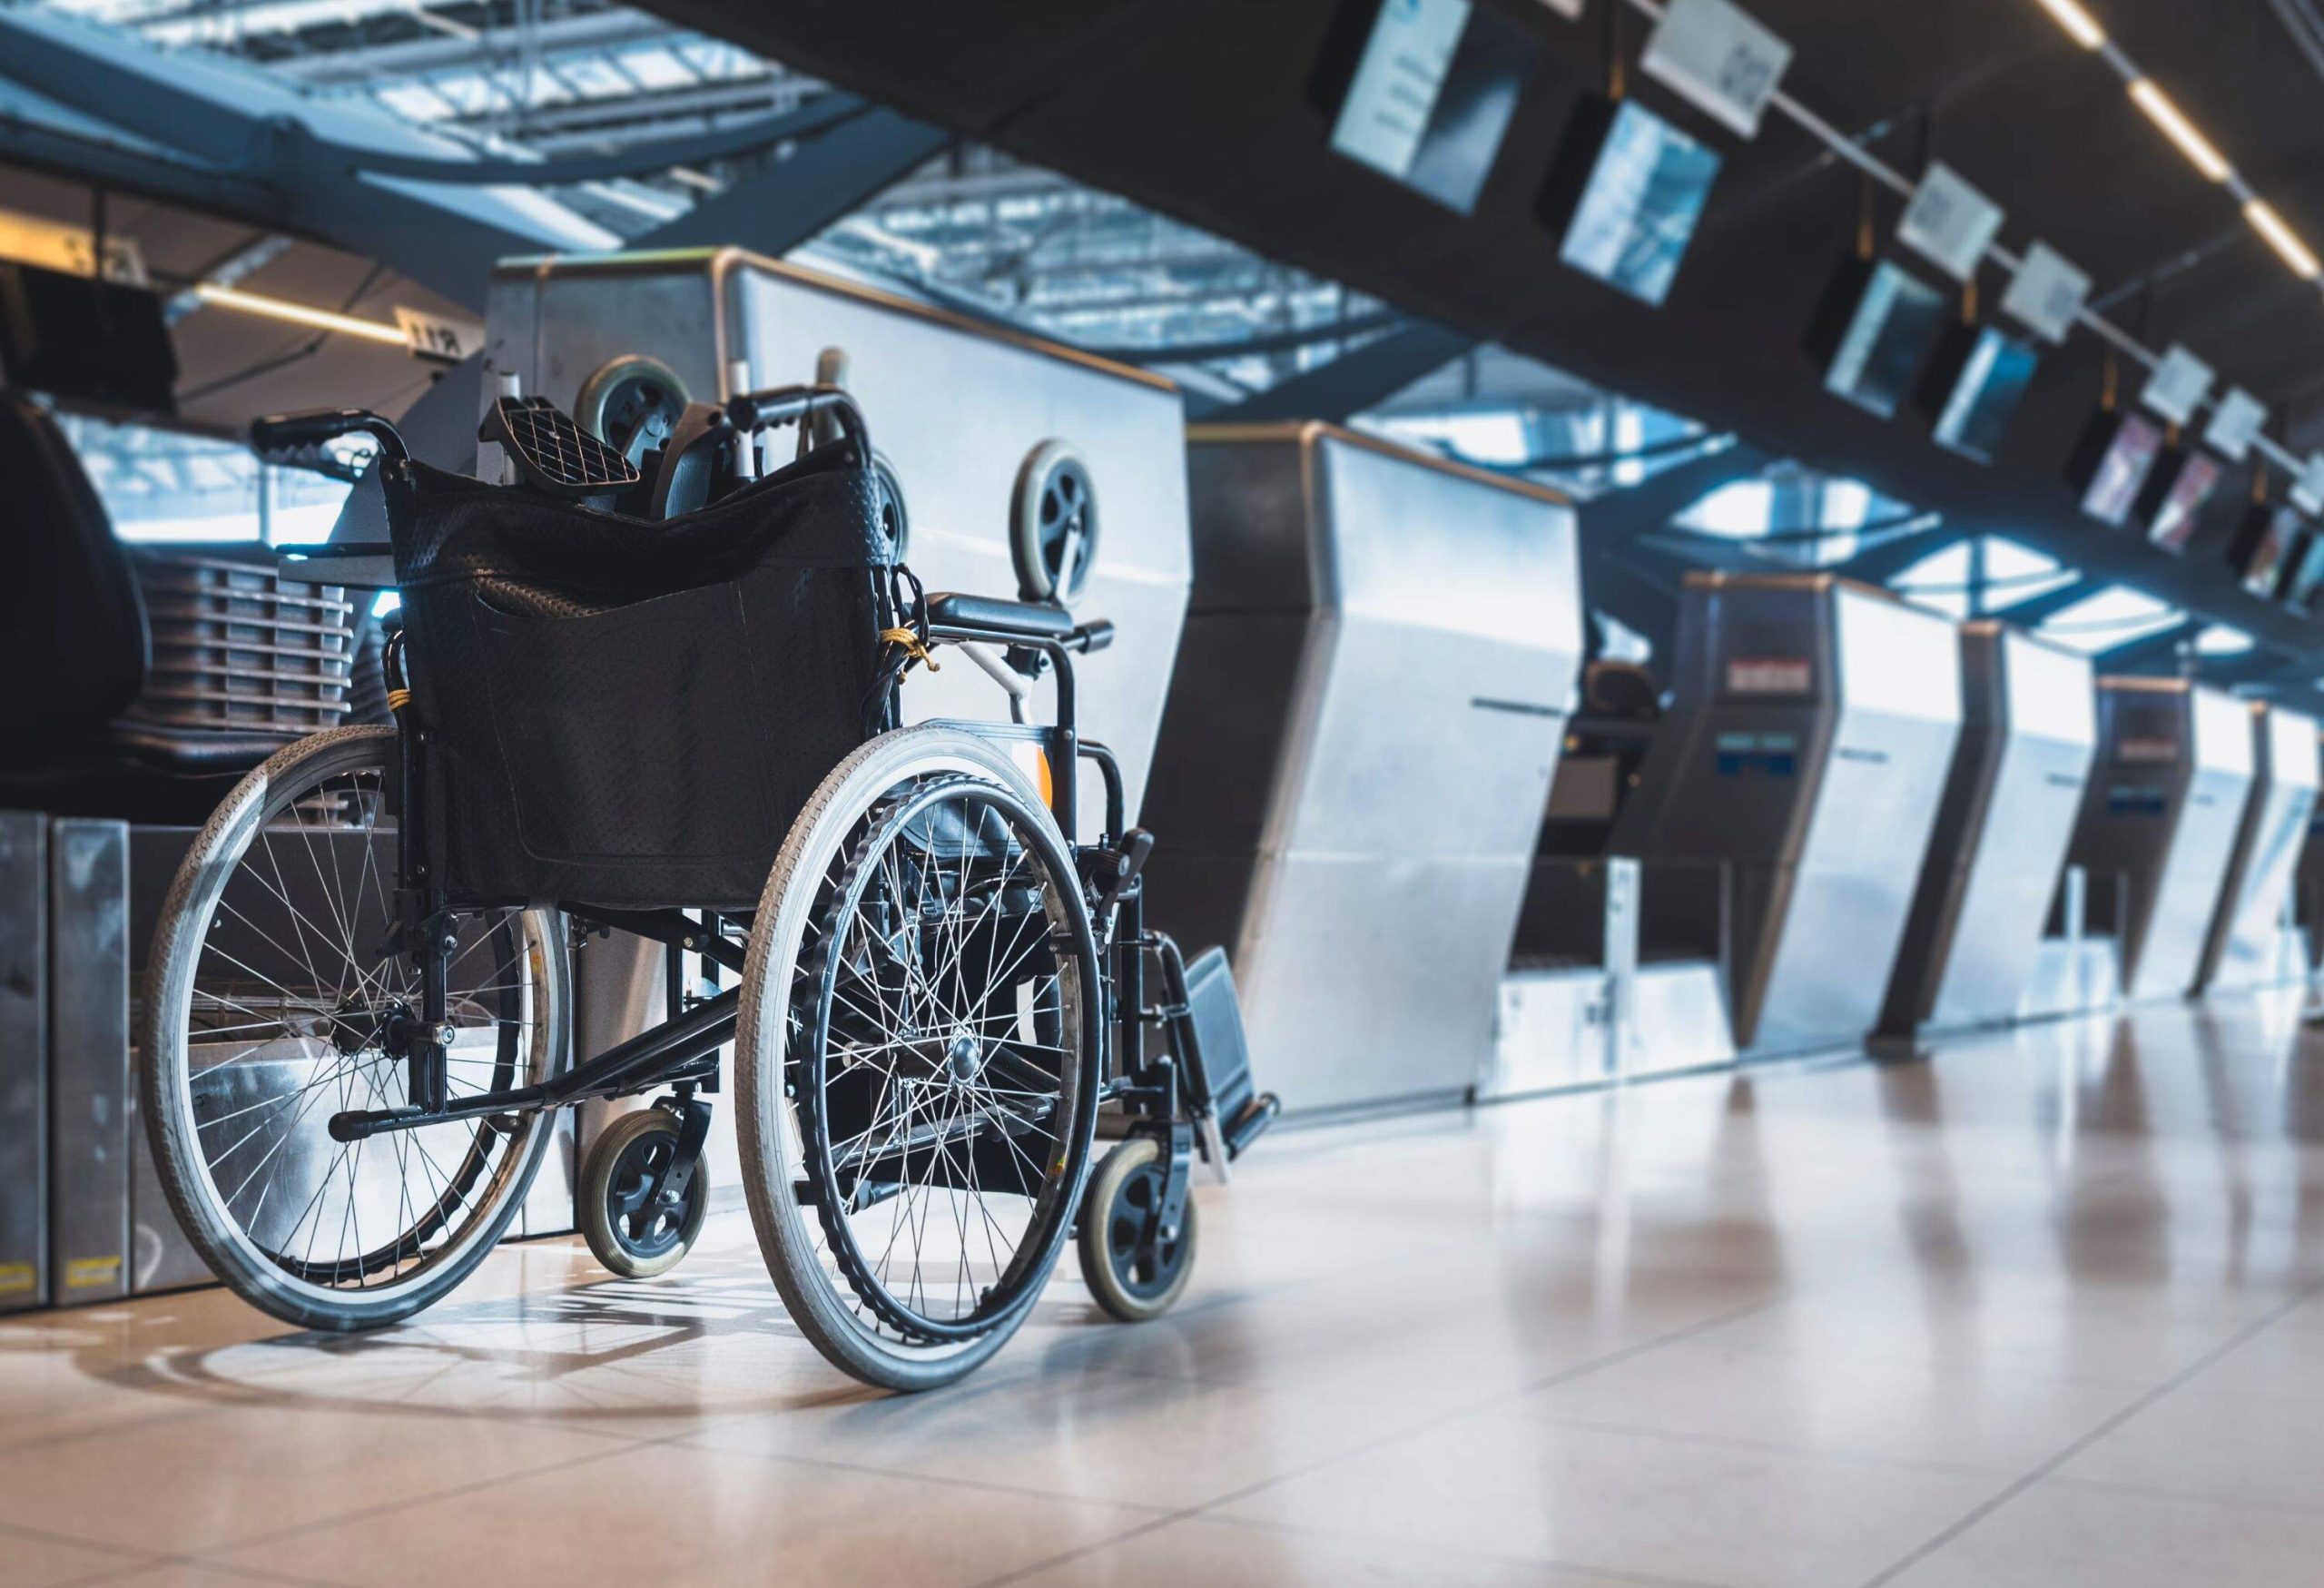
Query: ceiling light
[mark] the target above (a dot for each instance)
(2282, 239)
(243, 302)
(2076, 22)
(2180, 130)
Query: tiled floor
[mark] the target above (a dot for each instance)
(2047, 1310)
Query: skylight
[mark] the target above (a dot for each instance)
(2013, 573)
(2114, 616)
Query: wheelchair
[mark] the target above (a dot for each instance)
(663, 696)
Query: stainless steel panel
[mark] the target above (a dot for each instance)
(2030, 732)
(24, 1059)
(1399, 729)
(160, 1256)
(955, 406)
(88, 1059)
(2247, 937)
(2158, 826)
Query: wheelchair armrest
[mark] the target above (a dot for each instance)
(1015, 619)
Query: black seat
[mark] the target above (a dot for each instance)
(75, 650)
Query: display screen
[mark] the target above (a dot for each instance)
(2115, 483)
(1978, 411)
(1432, 94)
(1897, 322)
(2306, 574)
(2182, 506)
(1638, 209)
(2264, 565)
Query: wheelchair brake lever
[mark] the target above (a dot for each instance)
(1118, 868)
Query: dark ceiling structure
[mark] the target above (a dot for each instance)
(1206, 110)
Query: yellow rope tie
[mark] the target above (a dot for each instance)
(909, 640)
(397, 699)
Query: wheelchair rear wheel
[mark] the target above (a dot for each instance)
(272, 1002)
(919, 1059)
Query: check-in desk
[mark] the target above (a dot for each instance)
(1378, 666)
(2248, 946)
(1784, 808)
(2029, 733)
(2158, 825)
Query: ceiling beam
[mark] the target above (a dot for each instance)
(1348, 385)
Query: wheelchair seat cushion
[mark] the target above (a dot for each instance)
(626, 713)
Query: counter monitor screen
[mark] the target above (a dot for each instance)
(1638, 209)
(1432, 95)
(1897, 322)
(1986, 395)
(2190, 489)
(2306, 574)
(2259, 554)
(2121, 469)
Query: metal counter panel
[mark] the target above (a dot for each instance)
(88, 1049)
(2012, 869)
(24, 1059)
(1415, 663)
(2194, 872)
(2247, 934)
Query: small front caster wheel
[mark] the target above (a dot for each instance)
(632, 1232)
(1134, 1273)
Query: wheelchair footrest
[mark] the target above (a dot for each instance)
(1250, 1124)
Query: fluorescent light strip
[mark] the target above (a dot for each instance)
(2282, 239)
(2175, 126)
(2079, 24)
(244, 302)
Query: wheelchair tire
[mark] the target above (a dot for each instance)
(624, 1235)
(266, 991)
(1119, 1203)
(904, 1072)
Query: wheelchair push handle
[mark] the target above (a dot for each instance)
(297, 438)
(789, 405)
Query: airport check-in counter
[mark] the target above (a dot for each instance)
(1367, 711)
(977, 423)
(2029, 733)
(1785, 806)
(2158, 825)
(2249, 946)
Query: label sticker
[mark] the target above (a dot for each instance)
(2178, 386)
(17, 1278)
(1770, 675)
(1948, 221)
(1717, 58)
(81, 1273)
(2235, 424)
(2046, 293)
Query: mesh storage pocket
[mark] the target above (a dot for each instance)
(625, 732)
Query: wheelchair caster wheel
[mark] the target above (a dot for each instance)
(636, 1239)
(1134, 1275)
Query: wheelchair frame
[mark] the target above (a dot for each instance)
(682, 1050)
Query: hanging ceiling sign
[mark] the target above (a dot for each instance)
(1948, 221)
(2046, 293)
(2307, 491)
(2235, 424)
(1569, 9)
(1715, 57)
(2178, 386)
(30, 240)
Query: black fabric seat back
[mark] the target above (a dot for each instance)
(73, 649)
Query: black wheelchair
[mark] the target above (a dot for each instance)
(680, 716)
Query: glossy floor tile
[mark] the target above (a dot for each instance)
(2046, 1308)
